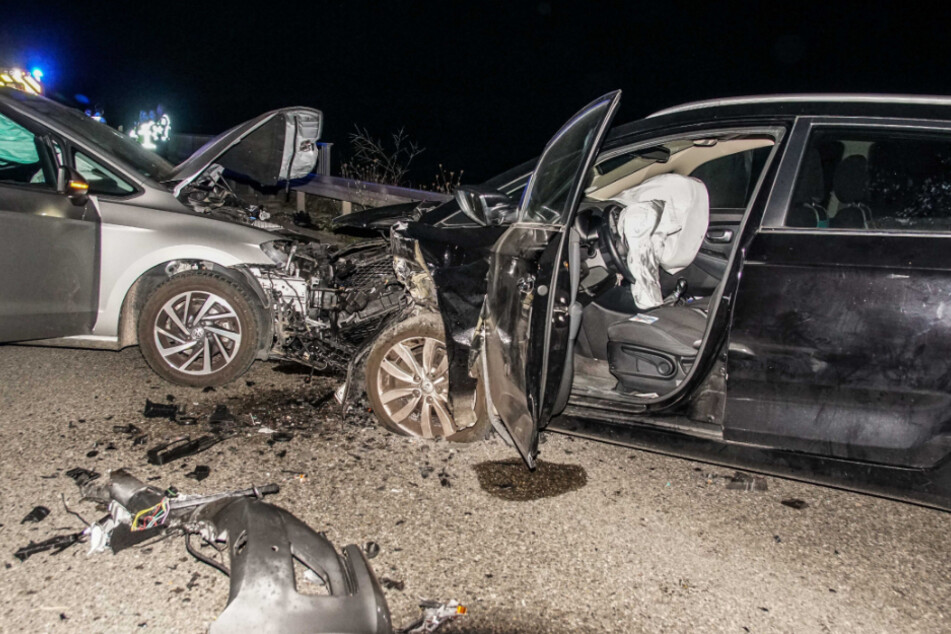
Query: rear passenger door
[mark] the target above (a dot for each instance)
(841, 335)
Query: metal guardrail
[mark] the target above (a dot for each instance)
(364, 193)
(321, 183)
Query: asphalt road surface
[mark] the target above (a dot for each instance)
(601, 539)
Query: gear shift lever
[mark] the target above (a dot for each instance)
(676, 296)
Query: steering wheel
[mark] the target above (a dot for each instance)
(611, 242)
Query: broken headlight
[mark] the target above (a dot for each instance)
(278, 251)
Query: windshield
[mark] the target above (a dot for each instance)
(548, 198)
(109, 141)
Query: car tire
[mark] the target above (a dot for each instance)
(200, 329)
(411, 397)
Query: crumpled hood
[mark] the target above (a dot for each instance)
(276, 146)
(377, 218)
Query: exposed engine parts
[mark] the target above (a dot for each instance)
(327, 301)
(212, 195)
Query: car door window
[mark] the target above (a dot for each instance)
(23, 156)
(101, 179)
(884, 180)
(547, 198)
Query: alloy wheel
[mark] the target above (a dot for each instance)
(413, 386)
(197, 332)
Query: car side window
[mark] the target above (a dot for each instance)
(886, 180)
(101, 179)
(24, 159)
(731, 179)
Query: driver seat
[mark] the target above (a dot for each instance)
(652, 351)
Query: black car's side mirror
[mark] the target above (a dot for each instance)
(486, 206)
(71, 183)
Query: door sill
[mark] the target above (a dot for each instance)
(617, 414)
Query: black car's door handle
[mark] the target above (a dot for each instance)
(720, 236)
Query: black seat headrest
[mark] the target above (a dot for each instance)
(851, 180)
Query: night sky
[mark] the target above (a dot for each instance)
(481, 86)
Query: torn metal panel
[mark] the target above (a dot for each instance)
(457, 261)
(263, 543)
(328, 302)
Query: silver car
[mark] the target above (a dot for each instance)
(106, 245)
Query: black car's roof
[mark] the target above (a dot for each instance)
(765, 107)
(817, 104)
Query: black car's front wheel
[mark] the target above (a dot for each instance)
(407, 384)
(199, 329)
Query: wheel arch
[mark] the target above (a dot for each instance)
(148, 281)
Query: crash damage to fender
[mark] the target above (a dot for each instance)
(456, 262)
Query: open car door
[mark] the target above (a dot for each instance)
(526, 317)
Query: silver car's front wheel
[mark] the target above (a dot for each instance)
(199, 328)
(197, 332)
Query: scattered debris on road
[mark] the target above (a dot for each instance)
(81, 476)
(435, 615)
(221, 415)
(37, 515)
(795, 503)
(199, 473)
(180, 447)
(746, 482)
(371, 549)
(392, 584)
(160, 410)
(57, 544)
(273, 558)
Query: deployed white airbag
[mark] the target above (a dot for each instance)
(663, 223)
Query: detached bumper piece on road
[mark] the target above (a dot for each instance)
(264, 542)
(285, 577)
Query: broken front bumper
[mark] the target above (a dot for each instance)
(263, 543)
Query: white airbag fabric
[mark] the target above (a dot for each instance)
(663, 223)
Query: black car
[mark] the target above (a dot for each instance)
(808, 336)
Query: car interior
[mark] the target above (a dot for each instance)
(625, 354)
(862, 181)
(23, 158)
